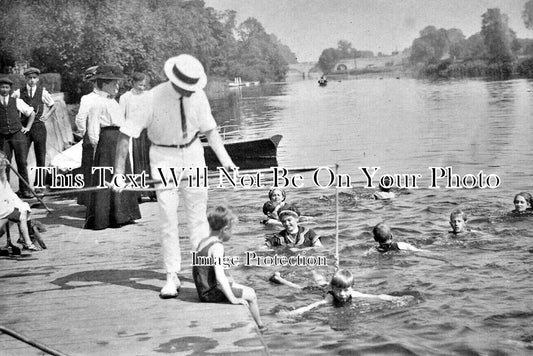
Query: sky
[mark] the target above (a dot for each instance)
(310, 26)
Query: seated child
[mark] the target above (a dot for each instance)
(458, 220)
(341, 293)
(522, 203)
(384, 192)
(293, 235)
(383, 235)
(12, 208)
(276, 203)
(212, 284)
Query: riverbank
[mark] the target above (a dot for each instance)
(97, 293)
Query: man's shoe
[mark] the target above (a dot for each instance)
(170, 290)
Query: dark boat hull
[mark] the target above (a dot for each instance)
(261, 153)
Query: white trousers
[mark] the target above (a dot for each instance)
(195, 200)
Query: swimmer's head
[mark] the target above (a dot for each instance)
(458, 220)
(385, 183)
(382, 233)
(276, 195)
(522, 200)
(341, 283)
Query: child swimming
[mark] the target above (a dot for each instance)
(383, 235)
(293, 235)
(523, 202)
(275, 204)
(341, 293)
(212, 284)
(384, 192)
(458, 220)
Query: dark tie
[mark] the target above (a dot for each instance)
(183, 119)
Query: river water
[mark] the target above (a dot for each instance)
(472, 295)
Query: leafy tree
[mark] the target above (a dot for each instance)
(527, 14)
(497, 36)
(431, 45)
(328, 58)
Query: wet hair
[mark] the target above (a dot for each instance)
(458, 212)
(526, 196)
(342, 279)
(289, 210)
(382, 233)
(273, 190)
(138, 77)
(220, 217)
(387, 181)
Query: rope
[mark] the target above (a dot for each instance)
(337, 259)
(31, 342)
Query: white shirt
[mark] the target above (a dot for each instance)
(46, 97)
(21, 105)
(86, 103)
(159, 112)
(9, 200)
(103, 112)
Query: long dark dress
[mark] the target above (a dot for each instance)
(107, 208)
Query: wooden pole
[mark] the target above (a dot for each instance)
(337, 259)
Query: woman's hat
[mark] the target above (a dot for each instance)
(186, 72)
(90, 73)
(109, 71)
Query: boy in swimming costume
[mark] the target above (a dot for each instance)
(340, 293)
(384, 192)
(383, 236)
(212, 284)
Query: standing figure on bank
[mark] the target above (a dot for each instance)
(139, 147)
(37, 97)
(13, 132)
(106, 208)
(175, 113)
(87, 156)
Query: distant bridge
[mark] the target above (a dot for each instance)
(301, 68)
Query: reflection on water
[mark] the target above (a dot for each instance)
(474, 293)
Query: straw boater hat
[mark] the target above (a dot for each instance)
(32, 70)
(90, 73)
(186, 72)
(109, 71)
(289, 212)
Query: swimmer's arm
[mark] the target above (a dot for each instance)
(387, 297)
(277, 278)
(217, 251)
(407, 247)
(327, 300)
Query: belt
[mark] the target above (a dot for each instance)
(109, 128)
(185, 145)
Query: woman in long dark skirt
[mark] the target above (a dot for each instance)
(107, 208)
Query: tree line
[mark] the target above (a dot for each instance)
(69, 36)
(493, 51)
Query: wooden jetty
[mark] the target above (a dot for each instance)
(97, 293)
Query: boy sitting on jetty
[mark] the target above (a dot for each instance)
(212, 284)
(339, 294)
(293, 235)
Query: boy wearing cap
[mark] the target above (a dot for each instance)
(175, 113)
(12, 131)
(293, 235)
(37, 97)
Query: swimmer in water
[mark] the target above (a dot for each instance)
(275, 204)
(339, 294)
(458, 220)
(383, 235)
(522, 203)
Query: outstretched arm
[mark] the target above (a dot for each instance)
(407, 247)
(307, 308)
(386, 297)
(277, 278)
(215, 141)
